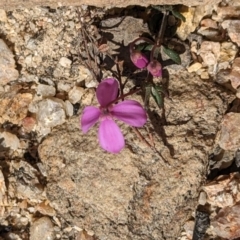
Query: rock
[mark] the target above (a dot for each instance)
(189, 227)
(228, 12)
(232, 27)
(28, 124)
(210, 51)
(201, 224)
(204, 75)
(24, 183)
(126, 29)
(45, 209)
(84, 235)
(65, 62)
(209, 29)
(8, 72)
(209, 23)
(137, 194)
(223, 159)
(62, 86)
(234, 75)
(3, 196)
(54, 3)
(230, 132)
(87, 98)
(75, 94)
(86, 76)
(68, 108)
(217, 196)
(91, 83)
(14, 107)
(193, 16)
(10, 140)
(42, 229)
(228, 52)
(202, 198)
(227, 222)
(46, 90)
(3, 16)
(194, 67)
(238, 94)
(50, 112)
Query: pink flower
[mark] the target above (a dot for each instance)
(129, 111)
(139, 59)
(155, 68)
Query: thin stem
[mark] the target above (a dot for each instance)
(152, 52)
(141, 137)
(119, 79)
(161, 32)
(125, 95)
(149, 145)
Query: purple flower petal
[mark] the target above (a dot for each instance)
(89, 117)
(130, 112)
(110, 136)
(107, 91)
(139, 59)
(155, 68)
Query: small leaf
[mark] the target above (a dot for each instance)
(157, 96)
(172, 54)
(144, 47)
(162, 90)
(147, 95)
(178, 15)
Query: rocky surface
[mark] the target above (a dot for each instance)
(57, 183)
(137, 194)
(106, 3)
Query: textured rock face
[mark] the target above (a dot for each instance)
(106, 3)
(137, 194)
(8, 72)
(14, 106)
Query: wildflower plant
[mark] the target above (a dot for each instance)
(152, 64)
(113, 106)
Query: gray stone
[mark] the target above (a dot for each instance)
(8, 72)
(139, 193)
(50, 112)
(232, 27)
(108, 4)
(75, 94)
(10, 140)
(46, 90)
(65, 62)
(42, 229)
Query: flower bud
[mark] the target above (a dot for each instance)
(155, 68)
(139, 59)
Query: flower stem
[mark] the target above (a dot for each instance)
(122, 96)
(161, 32)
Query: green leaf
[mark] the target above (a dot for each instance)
(147, 95)
(172, 9)
(157, 96)
(144, 47)
(172, 54)
(178, 15)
